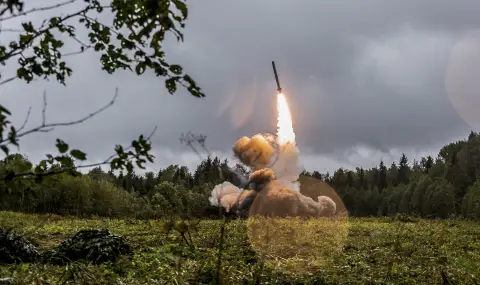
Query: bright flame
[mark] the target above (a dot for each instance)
(285, 132)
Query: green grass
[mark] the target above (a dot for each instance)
(362, 251)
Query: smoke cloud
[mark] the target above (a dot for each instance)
(225, 195)
(257, 152)
(232, 198)
(276, 190)
(276, 200)
(262, 151)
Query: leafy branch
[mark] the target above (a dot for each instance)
(133, 41)
(148, 22)
(10, 5)
(45, 61)
(38, 9)
(122, 158)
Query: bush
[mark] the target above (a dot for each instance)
(15, 248)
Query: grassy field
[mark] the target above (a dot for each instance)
(362, 251)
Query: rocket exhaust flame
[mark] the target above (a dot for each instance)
(285, 133)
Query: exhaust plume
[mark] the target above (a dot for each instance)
(232, 198)
(224, 195)
(279, 153)
(275, 162)
(276, 200)
(285, 131)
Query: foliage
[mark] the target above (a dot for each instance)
(97, 246)
(433, 188)
(133, 41)
(15, 249)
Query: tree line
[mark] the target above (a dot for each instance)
(441, 187)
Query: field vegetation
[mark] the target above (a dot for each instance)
(399, 250)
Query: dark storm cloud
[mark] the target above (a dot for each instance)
(356, 73)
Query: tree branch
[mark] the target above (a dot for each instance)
(82, 50)
(67, 54)
(26, 120)
(72, 35)
(65, 169)
(84, 45)
(16, 51)
(106, 161)
(138, 48)
(44, 109)
(19, 50)
(11, 5)
(44, 127)
(38, 9)
(8, 80)
(189, 138)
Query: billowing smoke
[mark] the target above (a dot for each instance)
(274, 161)
(262, 151)
(225, 195)
(276, 200)
(257, 152)
(232, 198)
(276, 191)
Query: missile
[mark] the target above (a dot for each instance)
(279, 89)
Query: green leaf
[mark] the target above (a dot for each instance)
(62, 146)
(28, 27)
(140, 68)
(78, 154)
(50, 158)
(65, 161)
(182, 7)
(25, 39)
(176, 69)
(4, 110)
(171, 85)
(5, 149)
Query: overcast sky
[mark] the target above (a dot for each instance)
(365, 80)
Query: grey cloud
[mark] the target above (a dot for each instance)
(356, 73)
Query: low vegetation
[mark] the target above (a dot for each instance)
(376, 251)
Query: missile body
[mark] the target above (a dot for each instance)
(279, 89)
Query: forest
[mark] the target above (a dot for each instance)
(443, 187)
